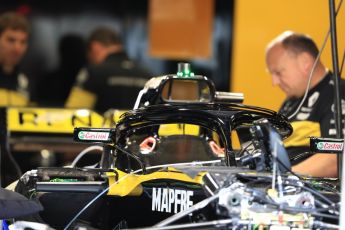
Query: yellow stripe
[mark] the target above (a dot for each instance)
(80, 98)
(178, 129)
(12, 98)
(130, 184)
(235, 141)
(302, 130)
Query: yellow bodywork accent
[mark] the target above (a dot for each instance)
(12, 98)
(235, 141)
(112, 117)
(80, 98)
(178, 129)
(302, 130)
(51, 120)
(130, 184)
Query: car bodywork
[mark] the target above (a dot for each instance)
(158, 188)
(175, 159)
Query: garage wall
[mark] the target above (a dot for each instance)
(172, 30)
(256, 23)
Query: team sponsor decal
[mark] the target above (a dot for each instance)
(313, 98)
(93, 136)
(302, 116)
(329, 146)
(171, 200)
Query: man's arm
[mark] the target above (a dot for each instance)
(319, 165)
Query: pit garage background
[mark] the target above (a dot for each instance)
(222, 39)
(256, 23)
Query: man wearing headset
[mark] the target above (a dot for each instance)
(291, 58)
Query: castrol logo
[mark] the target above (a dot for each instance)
(332, 146)
(93, 136)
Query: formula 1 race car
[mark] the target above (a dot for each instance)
(184, 163)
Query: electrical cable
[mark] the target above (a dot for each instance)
(313, 68)
(85, 151)
(301, 179)
(167, 165)
(220, 224)
(315, 212)
(295, 183)
(310, 189)
(309, 78)
(14, 162)
(307, 182)
(193, 208)
(315, 192)
(142, 164)
(205, 202)
(323, 186)
(185, 163)
(245, 148)
(122, 178)
(98, 196)
(186, 212)
(215, 224)
(310, 211)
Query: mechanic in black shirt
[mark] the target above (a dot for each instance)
(14, 85)
(111, 80)
(290, 59)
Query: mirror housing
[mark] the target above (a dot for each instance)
(183, 87)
